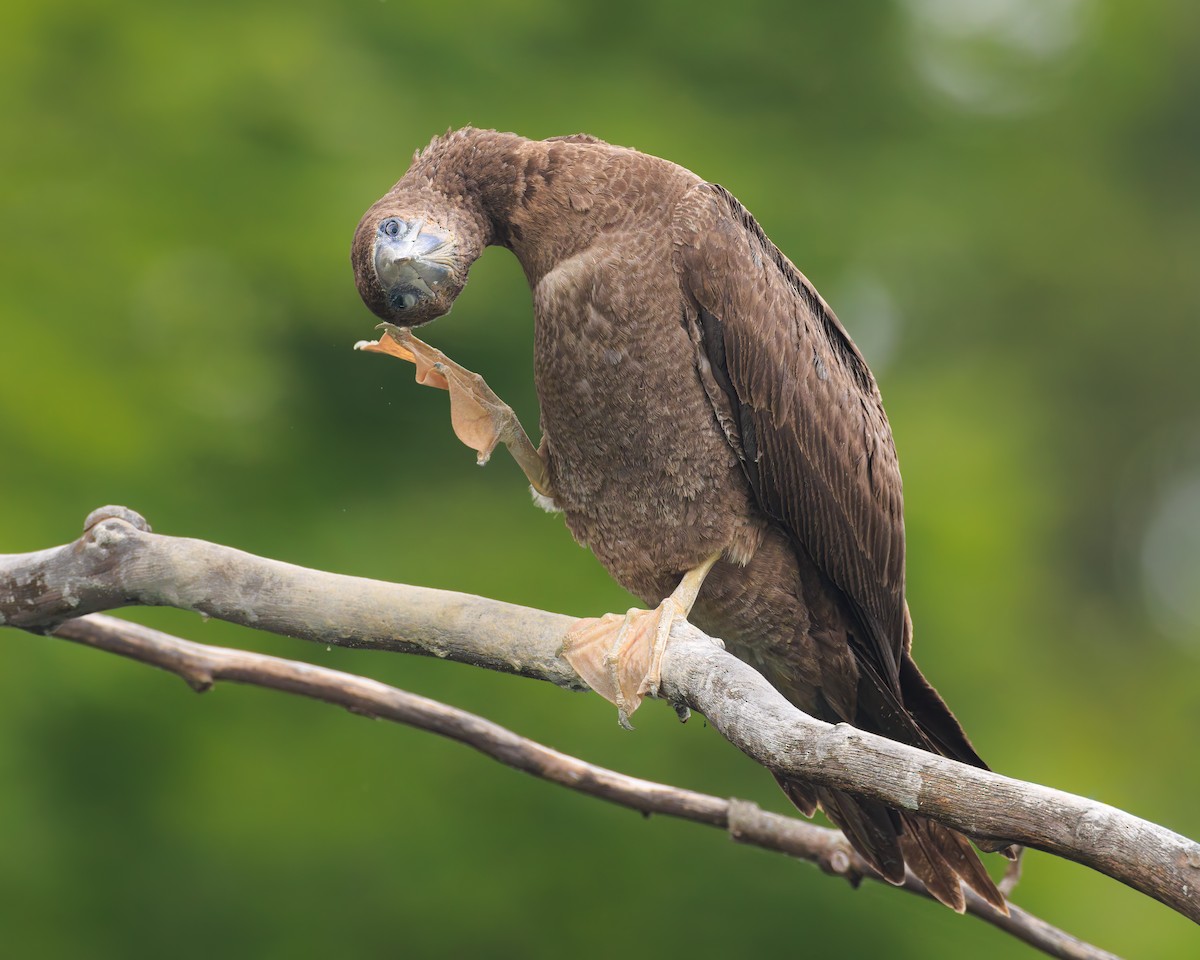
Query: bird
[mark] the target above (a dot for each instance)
(709, 431)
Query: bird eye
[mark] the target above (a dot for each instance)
(391, 227)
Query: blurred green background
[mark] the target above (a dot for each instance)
(1000, 200)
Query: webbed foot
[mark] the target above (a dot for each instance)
(480, 419)
(620, 657)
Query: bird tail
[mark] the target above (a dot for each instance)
(891, 840)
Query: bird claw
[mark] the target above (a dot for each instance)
(620, 657)
(480, 419)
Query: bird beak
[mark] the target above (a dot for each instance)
(412, 262)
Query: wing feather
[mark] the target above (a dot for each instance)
(810, 427)
(804, 415)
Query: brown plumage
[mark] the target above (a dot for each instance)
(697, 395)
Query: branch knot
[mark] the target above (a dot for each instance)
(113, 512)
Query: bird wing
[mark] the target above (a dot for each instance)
(802, 410)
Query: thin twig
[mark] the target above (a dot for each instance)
(201, 666)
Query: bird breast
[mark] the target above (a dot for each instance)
(637, 460)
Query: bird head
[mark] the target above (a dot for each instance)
(411, 263)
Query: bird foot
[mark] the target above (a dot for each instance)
(480, 419)
(621, 657)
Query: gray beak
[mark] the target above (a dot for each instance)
(411, 261)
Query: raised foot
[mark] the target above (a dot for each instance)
(620, 657)
(480, 419)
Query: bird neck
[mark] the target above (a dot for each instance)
(480, 171)
(538, 198)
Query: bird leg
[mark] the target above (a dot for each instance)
(480, 419)
(621, 657)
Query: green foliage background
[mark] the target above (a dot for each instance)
(1000, 200)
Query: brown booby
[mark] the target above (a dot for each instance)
(709, 431)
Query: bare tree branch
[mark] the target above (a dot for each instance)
(203, 665)
(118, 562)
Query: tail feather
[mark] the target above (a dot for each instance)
(951, 860)
(957, 851)
(942, 729)
(871, 828)
(890, 840)
(939, 857)
(933, 717)
(803, 795)
(925, 858)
